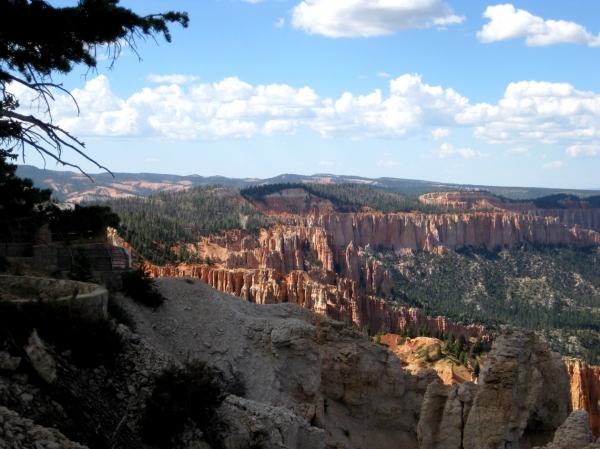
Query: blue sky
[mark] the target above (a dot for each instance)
(452, 91)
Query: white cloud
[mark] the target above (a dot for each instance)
(447, 150)
(539, 112)
(583, 150)
(232, 108)
(279, 23)
(354, 18)
(151, 160)
(517, 150)
(384, 75)
(173, 79)
(553, 165)
(383, 163)
(506, 22)
(530, 112)
(439, 133)
(279, 127)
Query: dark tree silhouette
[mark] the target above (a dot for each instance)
(38, 40)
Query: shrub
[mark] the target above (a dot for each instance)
(4, 264)
(140, 287)
(183, 393)
(81, 269)
(118, 312)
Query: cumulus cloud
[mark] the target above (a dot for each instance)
(506, 22)
(232, 108)
(539, 112)
(530, 112)
(384, 163)
(553, 165)
(583, 150)
(173, 79)
(384, 75)
(279, 23)
(365, 18)
(447, 150)
(280, 127)
(439, 133)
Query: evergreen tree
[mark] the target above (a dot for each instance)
(81, 269)
(38, 40)
(18, 199)
(478, 346)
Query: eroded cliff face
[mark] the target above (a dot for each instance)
(472, 200)
(337, 389)
(584, 218)
(585, 390)
(421, 232)
(575, 212)
(323, 292)
(521, 398)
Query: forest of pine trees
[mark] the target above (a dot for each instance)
(154, 225)
(542, 288)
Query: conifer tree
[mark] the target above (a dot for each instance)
(38, 40)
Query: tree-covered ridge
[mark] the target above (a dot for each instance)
(560, 201)
(153, 225)
(554, 289)
(350, 197)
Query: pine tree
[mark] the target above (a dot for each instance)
(38, 40)
(81, 269)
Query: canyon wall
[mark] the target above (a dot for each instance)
(584, 218)
(422, 232)
(585, 390)
(320, 291)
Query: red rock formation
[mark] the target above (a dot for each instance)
(585, 390)
(421, 232)
(585, 218)
(321, 291)
(472, 200)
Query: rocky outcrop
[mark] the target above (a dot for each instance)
(419, 354)
(574, 433)
(255, 424)
(329, 375)
(585, 390)
(472, 200)
(520, 399)
(18, 432)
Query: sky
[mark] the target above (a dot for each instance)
(462, 91)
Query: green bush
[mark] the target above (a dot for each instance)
(140, 287)
(183, 393)
(81, 269)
